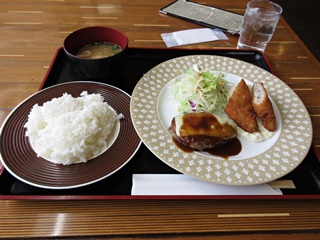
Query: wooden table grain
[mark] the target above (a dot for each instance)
(30, 33)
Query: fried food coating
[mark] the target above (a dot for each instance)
(263, 106)
(239, 108)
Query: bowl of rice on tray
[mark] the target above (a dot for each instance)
(69, 135)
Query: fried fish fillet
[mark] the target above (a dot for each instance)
(263, 106)
(239, 108)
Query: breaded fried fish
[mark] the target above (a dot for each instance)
(263, 106)
(239, 108)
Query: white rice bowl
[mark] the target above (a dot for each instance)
(68, 130)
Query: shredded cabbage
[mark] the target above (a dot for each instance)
(200, 89)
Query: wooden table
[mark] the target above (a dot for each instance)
(31, 32)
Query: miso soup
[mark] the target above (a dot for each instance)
(98, 50)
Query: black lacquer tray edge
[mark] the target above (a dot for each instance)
(160, 197)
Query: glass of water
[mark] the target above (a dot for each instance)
(258, 24)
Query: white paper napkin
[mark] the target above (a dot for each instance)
(192, 36)
(179, 184)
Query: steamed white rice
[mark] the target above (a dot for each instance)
(69, 130)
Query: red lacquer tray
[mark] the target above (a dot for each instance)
(306, 177)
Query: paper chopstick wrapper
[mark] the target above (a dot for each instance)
(179, 184)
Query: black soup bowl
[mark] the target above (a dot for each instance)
(102, 69)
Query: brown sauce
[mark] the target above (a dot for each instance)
(201, 124)
(225, 151)
(181, 146)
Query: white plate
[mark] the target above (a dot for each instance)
(152, 108)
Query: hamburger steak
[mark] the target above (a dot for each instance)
(201, 131)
